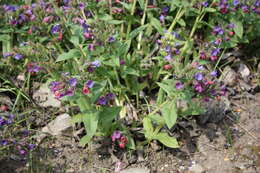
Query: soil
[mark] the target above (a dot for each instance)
(231, 145)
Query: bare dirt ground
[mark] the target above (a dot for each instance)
(231, 145)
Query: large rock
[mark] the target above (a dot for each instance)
(59, 125)
(196, 168)
(229, 76)
(45, 98)
(135, 170)
(243, 70)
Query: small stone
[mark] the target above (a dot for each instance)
(45, 98)
(135, 170)
(58, 125)
(243, 70)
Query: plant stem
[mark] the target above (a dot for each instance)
(130, 21)
(142, 23)
(179, 14)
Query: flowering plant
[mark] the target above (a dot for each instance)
(106, 56)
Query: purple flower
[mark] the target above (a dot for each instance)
(175, 34)
(7, 54)
(236, 3)
(165, 10)
(66, 2)
(257, 3)
(218, 30)
(111, 39)
(213, 92)
(231, 25)
(55, 29)
(215, 52)
(161, 18)
(102, 100)
(18, 56)
(69, 92)
(10, 119)
(177, 51)
(122, 62)
(89, 83)
(217, 41)
(245, 8)
(198, 76)
(4, 142)
(168, 49)
(10, 8)
(200, 67)
(198, 88)
(214, 73)
(91, 47)
(31, 146)
(13, 22)
(22, 152)
(168, 57)
(73, 82)
(110, 96)
(81, 6)
(95, 63)
(116, 135)
(178, 85)
(21, 18)
(2, 121)
(205, 3)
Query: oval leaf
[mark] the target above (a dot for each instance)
(167, 140)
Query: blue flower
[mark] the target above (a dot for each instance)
(89, 83)
(198, 76)
(236, 3)
(95, 63)
(55, 29)
(214, 73)
(205, 3)
(111, 39)
(168, 57)
(218, 30)
(18, 56)
(215, 52)
(178, 85)
(102, 100)
(73, 82)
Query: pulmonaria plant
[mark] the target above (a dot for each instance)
(107, 56)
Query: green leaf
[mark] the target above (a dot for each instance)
(167, 88)
(85, 140)
(136, 31)
(238, 27)
(127, 6)
(90, 121)
(157, 119)
(156, 23)
(83, 104)
(130, 71)
(131, 143)
(77, 118)
(169, 113)
(148, 128)
(75, 40)
(141, 2)
(167, 140)
(73, 53)
(108, 114)
(210, 10)
(181, 22)
(4, 37)
(115, 22)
